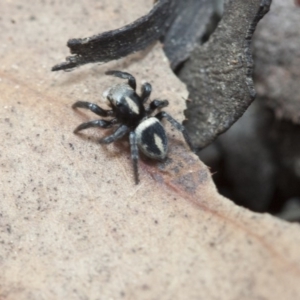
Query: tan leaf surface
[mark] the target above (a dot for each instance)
(73, 223)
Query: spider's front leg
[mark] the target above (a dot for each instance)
(94, 108)
(123, 75)
(96, 123)
(177, 126)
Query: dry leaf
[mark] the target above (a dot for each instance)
(73, 223)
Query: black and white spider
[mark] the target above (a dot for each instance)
(127, 109)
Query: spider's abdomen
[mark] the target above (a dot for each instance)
(152, 139)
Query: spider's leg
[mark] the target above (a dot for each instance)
(134, 155)
(176, 125)
(119, 133)
(94, 108)
(156, 104)
(146, 91)
(96, 123)
(124, 75)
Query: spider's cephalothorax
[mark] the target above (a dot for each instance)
(129, 112)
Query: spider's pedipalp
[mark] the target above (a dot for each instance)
(156, 104)
(146, 91)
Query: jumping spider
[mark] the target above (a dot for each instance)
(129, 111)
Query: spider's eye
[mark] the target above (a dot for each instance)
(119, 104)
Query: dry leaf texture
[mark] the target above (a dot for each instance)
(73, 224)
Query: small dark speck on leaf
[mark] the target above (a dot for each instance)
(187, 182)
(145, 287)
(158, 178)
(122, 294)
(8, 228)
(176, 169)
(203, 176)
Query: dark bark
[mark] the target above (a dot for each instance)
(180, 23)
(187, 29)
(121, 42)
(219, 73)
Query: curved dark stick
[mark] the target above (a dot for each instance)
(118, 43)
